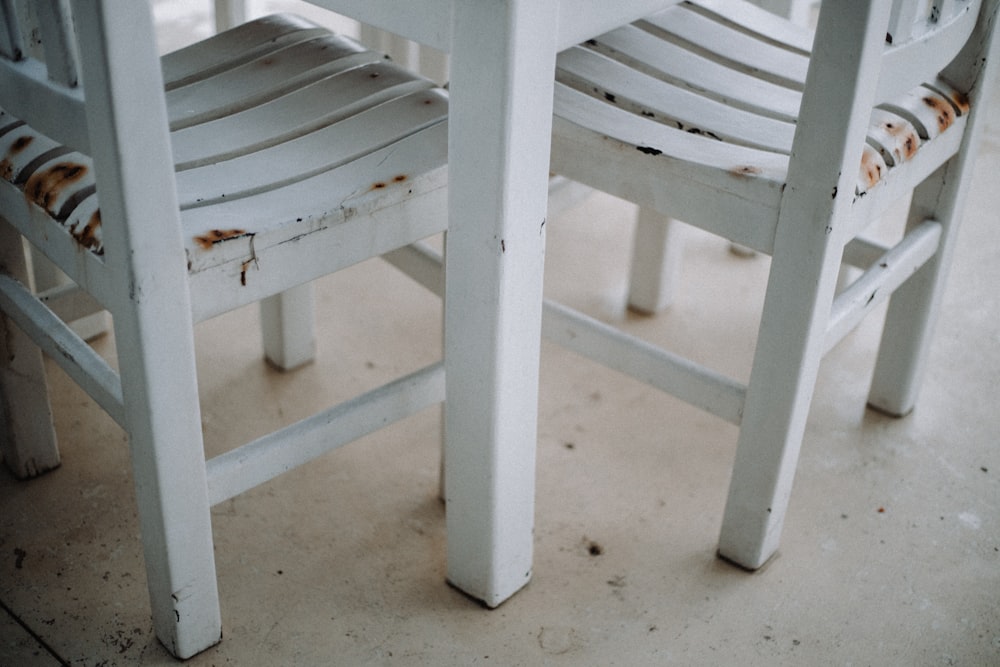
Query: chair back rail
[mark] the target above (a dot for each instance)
(39, 69)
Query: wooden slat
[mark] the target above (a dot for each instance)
(663, 102)
(668, 61)
(893, 136)
(231, 48)
(323, 103)
(714, 39)
(312, 154)
(262, 79)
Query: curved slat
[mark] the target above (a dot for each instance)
(311, 154)
(716, 39)
(304, 110)
(667, 61)
(234, 47)
(262, 79)
(651, 98)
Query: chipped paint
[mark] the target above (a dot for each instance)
(89, 235)
(209, 239)
(745, 171)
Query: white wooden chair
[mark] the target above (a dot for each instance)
(732, 119)
(250, 164)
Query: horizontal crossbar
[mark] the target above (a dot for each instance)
(57, 340)
(267, 457)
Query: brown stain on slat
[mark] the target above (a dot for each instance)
(960, 100)
(945, 113)
(871, 168)
(7, 164)
(86, 235)
(395, 179)
(745, 171)
(909, 142)
(207, 240)
(44, 187)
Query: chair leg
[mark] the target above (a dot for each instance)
(288, 324)
(913, 308)
(163, 418)
(28, 440)
(656, 261)
(782, 381)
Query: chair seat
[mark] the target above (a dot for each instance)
(273, 141)
(665, 87)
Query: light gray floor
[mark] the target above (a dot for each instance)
(890, 555)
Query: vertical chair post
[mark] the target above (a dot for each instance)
(28, 439)
(496, 241)
(808, 248)
(126, 116)
(657, 249)
(913, 308)
(288, 325)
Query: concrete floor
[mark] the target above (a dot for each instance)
(890, 554)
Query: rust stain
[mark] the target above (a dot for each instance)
(395, 179)
(745, 171)
(960, 100)
(20, 144)
(44, 187)
(6, 169)
(945, 114)
(87, 234)
(206, 241)
(871, 169)
(910, 145)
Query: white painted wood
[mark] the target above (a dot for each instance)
(913, 310)
(803, 200)
(256, 462)
(309, 183)
(657, 249)
(28, 442)
(429, 21)
(229, 14)
(493, 321)
(288, 326)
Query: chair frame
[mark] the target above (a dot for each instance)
(808, 218)
(145, 280)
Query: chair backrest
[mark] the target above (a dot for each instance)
(922, 37)
(40, 69)
(95, 86)
(866, 52)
